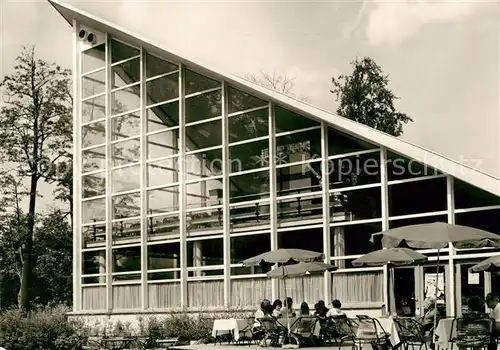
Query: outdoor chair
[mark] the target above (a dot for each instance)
(370, 331)
(472, 333)
(303, 330)
(411, 333)
(271, 331)
(346, 331)
(247, 332)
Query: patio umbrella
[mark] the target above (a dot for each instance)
(491, 265)
(285, 256)
(391, 257)
(438, 235)
(300, 269)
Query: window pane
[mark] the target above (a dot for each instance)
(163, 144)
(93, 159)
(356, 240)
(125, 179)
(204, 222)
(121, 51)
(309, 239)
(94, 84)
(94, 185)
(163, 227)
(245, 247)
(94, 262)
(94, 58)
(156, 66)
(126, 126)
(162, 89)
(340, 143)
(93, 109)
(203, 164)
(248, 126)
(302, 178)
(289, 121)
(126, 152)
(356, 205)
(484, 220)
(249, 187)
(125, 100)
(250, 217)
(417, 197)
(163, 200)
(126, 73)
(163, 172)
(204, 135)
(163, 116)
(205, 252)
(94, 236)
(93, 134)
(125, 230)
(401, 168)
(296, 210)
(204, 194)
(127, 205)
(355, 170)
(203, 106)
(164, 256)
(249, 156)
(468, 196)
(298, 147)
(240, 101)
(93, 211)
(127, 259)
(196, 82)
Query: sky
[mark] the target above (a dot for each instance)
(442, 57)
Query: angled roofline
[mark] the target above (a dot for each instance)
(427, 157)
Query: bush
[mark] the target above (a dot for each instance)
(43, 328)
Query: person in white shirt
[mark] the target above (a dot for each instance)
(335, 311)
(277, 305)
(492, 301)
(263, 312)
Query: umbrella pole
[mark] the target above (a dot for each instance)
(435, 304)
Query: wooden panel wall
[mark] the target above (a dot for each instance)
(205, 293)
(164, 295)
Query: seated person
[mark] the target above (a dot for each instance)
(288, 308)
(263, 312)
(493, 303)
(475, 308)
(320, 309)
(304, 309)
(277, 305)
(427, 320)
(335, 311)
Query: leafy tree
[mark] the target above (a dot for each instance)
(365, 98)
(35, 135)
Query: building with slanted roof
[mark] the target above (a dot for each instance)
(181, 172)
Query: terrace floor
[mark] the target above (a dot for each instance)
(243, 347)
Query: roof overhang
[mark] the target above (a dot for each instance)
(432, 159)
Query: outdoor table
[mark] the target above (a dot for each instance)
(229, 325)
(389, 327)
(444, 331)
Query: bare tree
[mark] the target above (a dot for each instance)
(282, 83)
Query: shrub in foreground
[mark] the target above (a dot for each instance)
(44, 328)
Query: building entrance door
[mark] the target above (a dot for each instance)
(403, 297)
(468, 285)
(426, 287)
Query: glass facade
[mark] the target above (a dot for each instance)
(183, 176)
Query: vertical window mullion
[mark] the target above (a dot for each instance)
(225, 198)
(273, 210)
(143, 176)
(109, 161)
